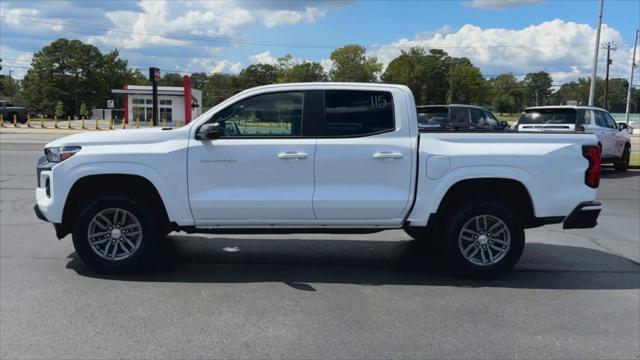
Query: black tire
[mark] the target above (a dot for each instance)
(622, 164)
(458, 264)
(143, 255)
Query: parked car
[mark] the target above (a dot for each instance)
(458, 117)
(316, 157)
(614, 138)
(8, 112)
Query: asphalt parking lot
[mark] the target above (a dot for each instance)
(575, 294)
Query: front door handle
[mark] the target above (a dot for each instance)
(292, 155)
(389, 155)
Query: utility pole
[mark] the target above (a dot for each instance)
(451, 83)
(592, 91)
(633, 65)
(11, 83)
(610, 46)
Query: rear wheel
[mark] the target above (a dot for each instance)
(483, 239)
(116, 234)
(622, 164)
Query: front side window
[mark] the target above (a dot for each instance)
(268, 115)
(491, 120)
(357, 113)
(600, 121)
(459, 116)
(477, 117)
(611, 122)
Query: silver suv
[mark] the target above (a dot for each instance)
(613, 138)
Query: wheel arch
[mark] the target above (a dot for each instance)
(510, 192)
(132, 186)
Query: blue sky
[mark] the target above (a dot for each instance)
(499, 36)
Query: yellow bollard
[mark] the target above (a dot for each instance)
(137, 123)
(42, 123)
(164, 123)
(68, 121)
(97, 120)
(124, 124)
(110, 124)
(177, 123)
(82, 122)
(151, 123)
(28, 120)
(55, 122)
(2, 120)
(15, 121)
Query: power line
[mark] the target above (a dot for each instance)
(231, 41)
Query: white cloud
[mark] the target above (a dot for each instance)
(25, 20)
(327, 64)
(288, 17)
(564, 49)
(498, 4)
(263, 58)
(227, 66)
(169, 23)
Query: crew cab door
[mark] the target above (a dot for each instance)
(363, 165)
(260, 171)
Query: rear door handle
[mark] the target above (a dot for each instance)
(292, 155)
(390, 155)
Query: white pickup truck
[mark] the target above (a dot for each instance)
(316, 157)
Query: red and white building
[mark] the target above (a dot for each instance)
(175, 103)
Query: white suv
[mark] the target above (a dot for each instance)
(613, 138)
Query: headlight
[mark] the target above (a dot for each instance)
(60, 153)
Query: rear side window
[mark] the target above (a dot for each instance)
(357, 113)
(549, 116)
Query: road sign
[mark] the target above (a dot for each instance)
(110, 104)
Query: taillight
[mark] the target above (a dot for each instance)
(592, 175)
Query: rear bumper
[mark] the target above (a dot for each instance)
(584, 216)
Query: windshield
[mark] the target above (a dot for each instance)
(433, 116)
(548, 116)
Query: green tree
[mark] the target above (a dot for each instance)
(469, 86)
(304, 72)
(83, 109)
(71, 71)
(170, 79)
(218, 88)
(198, 80)
(506, 93)
(259, 74)
(350, 63)
(537, 87)
(426, 74)
(59, 109)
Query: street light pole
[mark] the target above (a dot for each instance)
(592, 91)
(633, 65)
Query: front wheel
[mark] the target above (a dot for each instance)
(622, 164)
(483, 239)
(115, 234)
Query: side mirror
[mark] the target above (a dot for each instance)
(504, 124)
(210, 131)
(622, 126)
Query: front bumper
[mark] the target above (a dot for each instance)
(584, 216)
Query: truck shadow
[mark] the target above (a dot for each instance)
(608, 172)
(300, 263)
